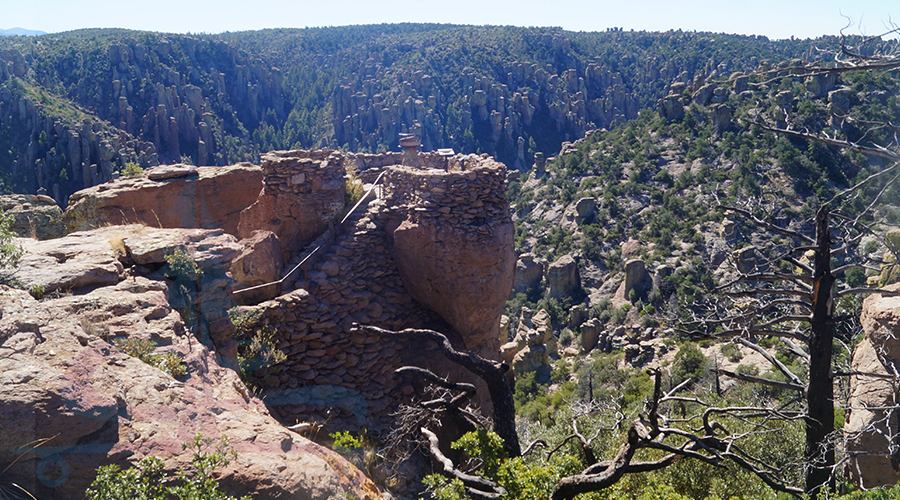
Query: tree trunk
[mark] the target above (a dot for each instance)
(820, 391)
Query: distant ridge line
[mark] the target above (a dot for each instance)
(21, 32)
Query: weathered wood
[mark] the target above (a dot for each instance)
(820, 388)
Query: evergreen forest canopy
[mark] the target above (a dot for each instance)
(108, 97)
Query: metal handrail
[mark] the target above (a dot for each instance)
(315, 250)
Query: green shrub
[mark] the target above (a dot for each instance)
(886, 493)
(170, 363)
(731, 352)
(181, 265)
(148, 481)
(38, 291)
(10, 252)
(256, 341)
(184, 270)
(751, 370)
(690, 363)
(521, 479)
(132, 169)
(354, 186)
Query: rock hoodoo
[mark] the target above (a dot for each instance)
(528, 273)
(870, 428)
(562, 277)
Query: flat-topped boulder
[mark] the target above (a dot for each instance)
(170, 196)
(33, 216)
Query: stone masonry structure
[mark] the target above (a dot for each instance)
(302, 195)
(434, 250)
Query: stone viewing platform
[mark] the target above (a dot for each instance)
(433, 250)
(433, 247)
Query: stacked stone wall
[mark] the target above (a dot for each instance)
(357, 280)
(303, 192)
(468, 198)
(328, 365)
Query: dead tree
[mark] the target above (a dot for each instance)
(783, 301)
(800, 306)
(493, 373)
(710, 443)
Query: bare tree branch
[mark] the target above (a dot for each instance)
(492, 372)
(766, 225)
(764, 381)
(477, 487)
(771, 359)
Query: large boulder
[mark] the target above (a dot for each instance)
(562, 277)
(62, 376)
(703, 95)
(260, 262)
(670, 107)
(637, 278)
(171, 196)
(590, 334)
(528, 273)
(871, 423)
(33, 216)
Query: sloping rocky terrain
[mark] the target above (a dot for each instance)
(65, 377)
(435, 249)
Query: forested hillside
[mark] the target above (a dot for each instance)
(77, 106)
(650, 174)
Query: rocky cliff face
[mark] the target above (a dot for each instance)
(52, 144)
(871, 424)
(144, 98)
(62, 375)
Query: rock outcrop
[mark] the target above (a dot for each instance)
(33, 216)
(533, 344)
(261, 261)
(529, 273)
(637, 279)
(562, 277)
(871, 423)
(169, 196)
(433, 250)
(62, 376)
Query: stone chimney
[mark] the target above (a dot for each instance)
(410, 144)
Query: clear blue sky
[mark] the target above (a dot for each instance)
(772, 18)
